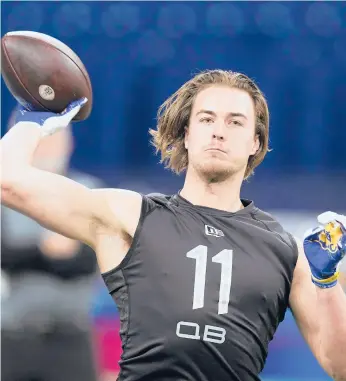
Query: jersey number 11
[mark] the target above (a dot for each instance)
(225, 258)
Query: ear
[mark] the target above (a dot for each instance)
(256, 145)
(186, 136)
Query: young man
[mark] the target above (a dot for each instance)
(202, 278)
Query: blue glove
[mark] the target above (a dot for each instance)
(49, 122)
(325, 247)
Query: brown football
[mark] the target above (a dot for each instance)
(44, 72)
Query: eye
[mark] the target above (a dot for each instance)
(206, 120)
(237, 123)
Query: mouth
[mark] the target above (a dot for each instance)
(215, 150)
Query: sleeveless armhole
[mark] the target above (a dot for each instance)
(286, 237)
(148, 205)
(116, 279)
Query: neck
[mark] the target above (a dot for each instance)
(224, 195)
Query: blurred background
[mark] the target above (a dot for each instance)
(137, 54)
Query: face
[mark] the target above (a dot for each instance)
(221, 133)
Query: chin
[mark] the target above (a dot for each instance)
(215, 170)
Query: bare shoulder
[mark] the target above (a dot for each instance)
(122, 209)
(119, 215)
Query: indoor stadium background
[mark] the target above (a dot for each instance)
(138, 53)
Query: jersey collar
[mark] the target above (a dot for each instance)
(181, 201)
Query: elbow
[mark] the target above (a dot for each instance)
(339, 374)
(11, 195)
(336, 369)
(8, 192)
(338, 377)
(12, 175)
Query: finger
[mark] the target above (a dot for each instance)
(313, 234)
(78, 103)
(24, 108)
(62, 120)
(69, 115)
(342, 244)
(342, 221)
(327, 217)
(20, 107)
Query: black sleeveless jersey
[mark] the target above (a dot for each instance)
(201, 291)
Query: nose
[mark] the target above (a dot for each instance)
(219, 131)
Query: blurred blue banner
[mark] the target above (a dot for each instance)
(138, 53)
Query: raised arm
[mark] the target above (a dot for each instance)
(54, 201)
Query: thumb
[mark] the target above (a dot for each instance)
(72, 110)
(66, 116)
(78, 104)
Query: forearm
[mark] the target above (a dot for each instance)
(17, 150)
(332, 314)
(54, 201)
(342, 279)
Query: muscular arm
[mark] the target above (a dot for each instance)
(56, 202)
(321, 318)
(343, 274)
